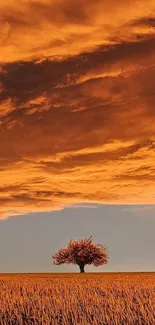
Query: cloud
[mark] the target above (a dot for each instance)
(39, 29)
(76, 104)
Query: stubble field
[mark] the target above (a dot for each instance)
(83, 299)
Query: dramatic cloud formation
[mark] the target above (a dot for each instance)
(77, 115)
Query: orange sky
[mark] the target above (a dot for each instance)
(77, 115)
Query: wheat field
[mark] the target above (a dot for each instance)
(71, 299)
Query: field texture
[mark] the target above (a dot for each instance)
(71, 299)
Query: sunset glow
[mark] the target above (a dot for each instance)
(77, 104)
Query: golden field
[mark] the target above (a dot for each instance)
(83, 299)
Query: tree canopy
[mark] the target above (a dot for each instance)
(82, 252)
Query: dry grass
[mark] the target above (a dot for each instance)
(84, 299)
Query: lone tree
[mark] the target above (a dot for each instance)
(81, 252)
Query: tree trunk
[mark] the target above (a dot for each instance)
(81, 266)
